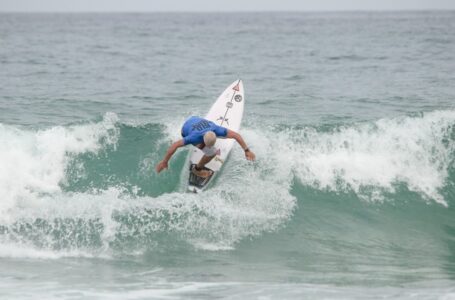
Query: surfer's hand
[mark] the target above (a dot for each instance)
(162, 165)
(250, 155)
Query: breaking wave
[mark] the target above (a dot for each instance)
(91, 190)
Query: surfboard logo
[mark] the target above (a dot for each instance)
(223, 119)
(236, 88)
(229, 104)
(238, 98)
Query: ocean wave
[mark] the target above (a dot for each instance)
(91, 189)
(371, 159)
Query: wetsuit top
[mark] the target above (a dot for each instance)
(194, 128)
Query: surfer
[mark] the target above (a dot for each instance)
(202, 134)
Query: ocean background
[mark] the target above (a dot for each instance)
(351, 116)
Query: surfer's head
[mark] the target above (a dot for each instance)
(209, 138)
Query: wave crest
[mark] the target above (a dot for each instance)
(91, 189)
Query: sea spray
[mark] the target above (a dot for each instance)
(35, 163)
(371, 158)
(111, 210)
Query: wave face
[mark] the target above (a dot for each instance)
(91, 190)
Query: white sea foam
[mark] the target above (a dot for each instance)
(19, 250)
(34, 162)
(247, 200)
(371, 159)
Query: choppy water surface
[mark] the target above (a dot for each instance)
(351, 117)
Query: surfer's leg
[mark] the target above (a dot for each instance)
(204, 160)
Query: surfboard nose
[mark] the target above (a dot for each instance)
(237, 85)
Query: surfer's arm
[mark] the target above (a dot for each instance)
(163, 164)
(236, 136)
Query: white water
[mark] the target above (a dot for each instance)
(248, 198)
(370, 159)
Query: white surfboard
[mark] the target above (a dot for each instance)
(227, 111)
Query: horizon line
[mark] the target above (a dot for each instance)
(231, 11)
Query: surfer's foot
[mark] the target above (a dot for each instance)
(201, 172)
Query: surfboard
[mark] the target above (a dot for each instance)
(227, 111)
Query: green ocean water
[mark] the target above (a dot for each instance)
(351, 117)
